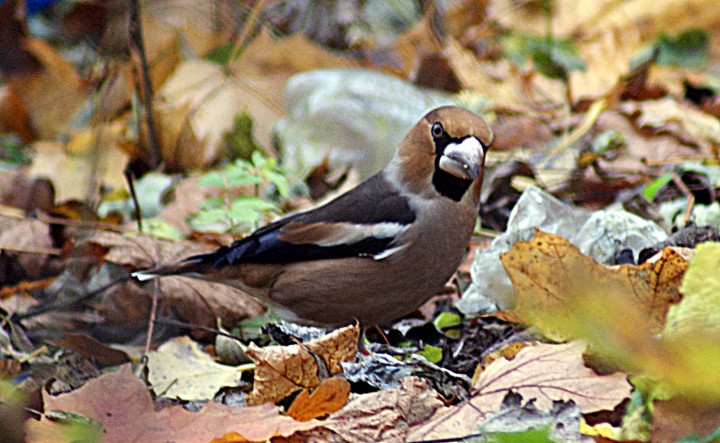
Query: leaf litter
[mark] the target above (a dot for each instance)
(634, 73)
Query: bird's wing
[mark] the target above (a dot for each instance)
(363, 222)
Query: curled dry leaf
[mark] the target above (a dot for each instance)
(552, 278)
(282, 370)
(331, 395)
(545, 373)
(386, 415)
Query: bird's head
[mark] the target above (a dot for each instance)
(443, 153)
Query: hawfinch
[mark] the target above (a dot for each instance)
(377, 252)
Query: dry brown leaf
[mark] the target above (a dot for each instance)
(550, 372)
(674, 419)
(282, 370)
(13, 115)
(545, 373)
(92, 158)
(180, 369)
(607, 33)
(92, 349)
(386, 415)
(686, 123)
(198, 104)
(550, 274)
(25, 235)
(195, 301)
(473, 75)
(416, 41)
(331, 395)
(121, 402)
(51, 96)
(269, 55)
(641, 149)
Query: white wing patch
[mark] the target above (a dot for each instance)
(349, 233)
(388, 252)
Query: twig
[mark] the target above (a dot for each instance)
(129, 177)
(41, 309)
(172, 322)
(153, 315)
(137, 52)
(690, 196)
(249, 26)
(587, 122)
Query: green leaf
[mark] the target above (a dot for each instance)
(280, 181)
(214, 179)
(241, 178)
(239, 215)
(249, 209)
(447, 320)
(433, 354)
(161, 228)
(253, 203)
(687, 50)
(220, 54)
(531, 436)
(239, 141)
(210, 216)
(651, 189)
(213, 203)
(258, 159)
(552, 57)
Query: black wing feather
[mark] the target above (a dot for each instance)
(373, 201)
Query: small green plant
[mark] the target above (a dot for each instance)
(235, 211)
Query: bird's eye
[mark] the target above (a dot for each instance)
(437, 130)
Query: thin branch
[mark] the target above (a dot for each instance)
(137, 52)
(41, 309)
(129, 176)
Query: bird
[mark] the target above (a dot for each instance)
(377, 252)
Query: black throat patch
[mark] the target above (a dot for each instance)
(446, 184)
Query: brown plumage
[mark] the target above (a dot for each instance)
(375, 253)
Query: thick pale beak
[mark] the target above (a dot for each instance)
(464, 159)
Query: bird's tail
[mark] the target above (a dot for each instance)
(192, 265)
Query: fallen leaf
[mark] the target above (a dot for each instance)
(91, 349)
(544, 373)
(331, 395)
(551, 276)
(192, 300)
(52, 96)
(25, 235)
(699, 310)
(608, 33)
(550, 372)
(269, 55)
(387, 415)
(282, 370)
(619, 310)
(198, 104)
(121, 402)
(473, 76)
(674, 419)
(91, 159)
(668, 115)
(181, 369)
